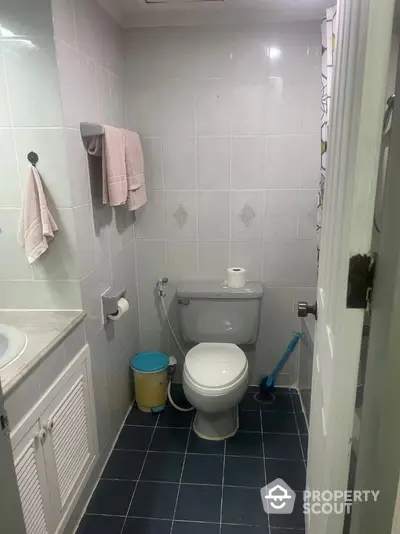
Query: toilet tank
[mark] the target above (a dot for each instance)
(208, 311)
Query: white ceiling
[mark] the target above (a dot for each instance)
(198, 12)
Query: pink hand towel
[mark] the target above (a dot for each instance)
(134, 163)
(37, 225)
(112, 149)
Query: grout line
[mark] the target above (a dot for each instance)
(264, 461)
(140, 474)
(222, 487)
(298, 433)
(180, 479)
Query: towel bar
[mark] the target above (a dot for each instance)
(89, 129)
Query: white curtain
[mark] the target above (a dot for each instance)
(329, 32)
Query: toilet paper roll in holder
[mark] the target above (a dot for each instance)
(109, 302)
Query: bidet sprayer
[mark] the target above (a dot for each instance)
(161, 283)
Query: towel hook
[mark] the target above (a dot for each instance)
(33, 158)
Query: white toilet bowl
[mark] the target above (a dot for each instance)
(215, 379)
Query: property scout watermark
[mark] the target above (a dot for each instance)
(278, 498)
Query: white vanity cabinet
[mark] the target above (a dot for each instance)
(55, 447)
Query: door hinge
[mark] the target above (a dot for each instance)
(360, 281)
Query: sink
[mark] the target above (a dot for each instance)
(12, 344)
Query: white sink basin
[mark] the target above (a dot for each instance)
(12, 344)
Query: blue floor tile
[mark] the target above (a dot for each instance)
(293, 472)
(286, 446)
(181, 527)
(279, 403)
(249, 403)
(295, 520)
(304, 443)
(286, 531)
(154, 500)
(124, 465)
(199, 503)
(111, 497)
(163, 467)
(204, 446)
(98, 524)
(250, 420)
(279, 422)
(243, 506)
(244, 472)
(203, 469)
(178, 396)
(284, 390)
(172, 418)
(243, 529)
(301, 422)
(146, 526)
(245, 444)
(170, 439)
(137, 417)
(134, 438)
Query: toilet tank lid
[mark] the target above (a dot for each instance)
(217, 290)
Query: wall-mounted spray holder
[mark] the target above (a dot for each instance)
(109, 302)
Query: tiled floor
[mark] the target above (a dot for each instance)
(162, 479)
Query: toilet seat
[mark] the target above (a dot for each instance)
(215, 368)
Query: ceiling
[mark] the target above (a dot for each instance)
(198, 12)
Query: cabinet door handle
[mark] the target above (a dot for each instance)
(41, 435)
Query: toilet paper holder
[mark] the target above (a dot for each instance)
(109, 302)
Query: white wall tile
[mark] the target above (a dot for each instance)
(248, 254)
(77, 168)
(213, 260)
(151, 261)
(32, 79)
(84, 239)
(104, 101)
(284, 162)
(213, 167)
(151, 317)
(4, 107)
(212, 53)
(248, 162)
(181, 215)
(279, 263)
(15, 264)
(152, 154)
(181, 260)
(88, 97)
(10, 186)
(68, 70)
(103, 419)
(212, 108)
(63, 20)
(150, 219)
(176, 98)
(281, 215)
(213, 215)
(58, 295)
(310, 161)
(179, 163)
(248, 109)
(247, 214)
(284, 107)
(118, 104)
(305, 263)
(307, 210)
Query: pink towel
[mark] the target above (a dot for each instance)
(134, 164)
(112, 150)
(37, 225)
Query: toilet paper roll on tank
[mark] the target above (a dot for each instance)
(236, 277)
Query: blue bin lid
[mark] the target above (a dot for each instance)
(150, 362)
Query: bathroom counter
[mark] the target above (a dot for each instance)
(44, 331)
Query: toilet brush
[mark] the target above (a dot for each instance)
(267, 384)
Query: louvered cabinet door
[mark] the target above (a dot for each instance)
(32, 482)
(69, 447)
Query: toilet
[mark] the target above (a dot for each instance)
(215, 374)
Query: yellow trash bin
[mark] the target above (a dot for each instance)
(151, 380)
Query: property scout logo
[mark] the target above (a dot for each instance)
(279, 498)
